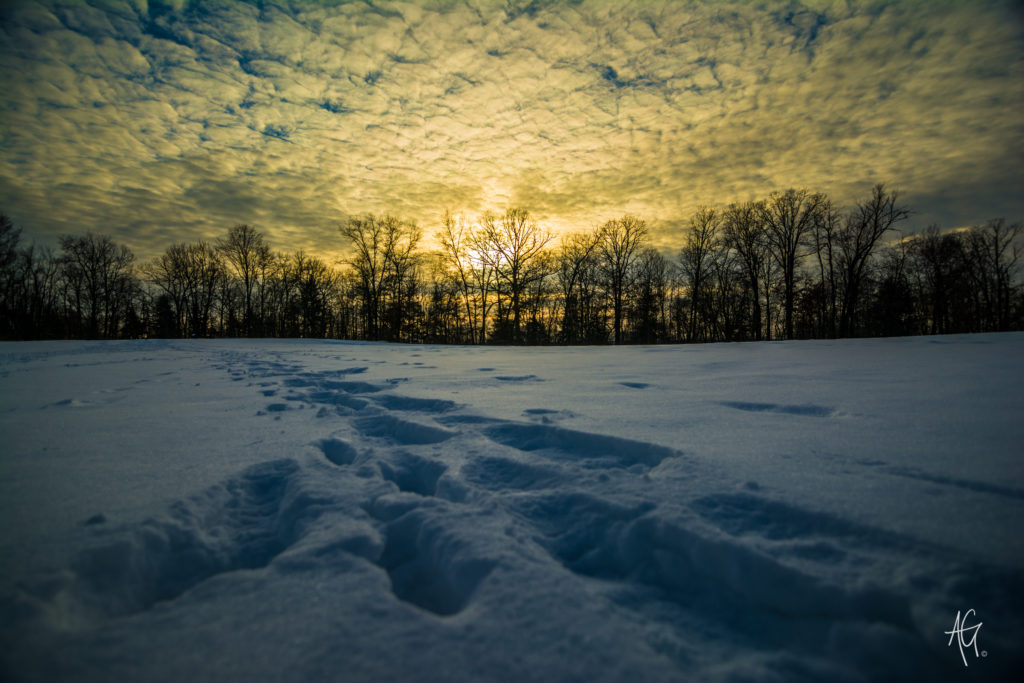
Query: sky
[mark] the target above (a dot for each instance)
(164, 122)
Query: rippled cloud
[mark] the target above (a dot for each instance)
(166, 121)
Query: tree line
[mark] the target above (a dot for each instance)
(789, 266)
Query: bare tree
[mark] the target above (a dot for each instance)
(893, 310)
(575, 272)
(511, 246)
(275, 294)
(995, 254)
(368, 237)
(39, 276)
(204, 272)
(247, 253)
(539, 301)
(826, 230)
(314, 289)
(650, 291)
(744, 233)
(455, 238)
(938, 266)
(618, 247)
(29, 288)
(482, 257)
(9, 276)
(445, 321)
(789, 218)
(870, 220)
(98, 276)
(695, 262)
(400, 262)
(384, 259)
(190, 275)
(731, 311)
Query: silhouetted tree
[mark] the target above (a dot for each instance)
(790, 265)
(9, 275)
(39, 311)
(98, 278)
(731, 301)
(994, 254)
(743, 232)
(277, 296)
(618, 245)
(789, 217)
(401, 284)
(368, 237)
(30, 305)
(892, 308)
(455, 238)
(827, 226)
(190, 275)
(540, 308)
(856, 241)
(314, 287)
(695, 263)
(246, 253)
(384, 259)
(576, 273)
(445, 320)
(165, 319)
(938, 265)
(647, 312)
(511, 247)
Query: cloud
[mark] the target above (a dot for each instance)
(160, 122)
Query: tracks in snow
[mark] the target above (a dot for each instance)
(452, 506)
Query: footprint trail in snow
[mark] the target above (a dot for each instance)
(448, 525)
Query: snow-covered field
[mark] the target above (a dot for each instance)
(312, 511)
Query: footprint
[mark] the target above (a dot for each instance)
(243, 523)
(409, 403)
(72, 403)
(401, 431)
(745, 514)
(430, 565)
(638, 546)
(337, 451)
(338, 399)
(349, 371)
(808, 410)
(497, 474)
(568, 444)
(469, 419)
(350, 387)
(580, 530)
(967, 484)
(412, 473)
(547, 416)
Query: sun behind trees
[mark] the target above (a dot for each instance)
(790, 266)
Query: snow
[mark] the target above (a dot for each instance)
(248, 510)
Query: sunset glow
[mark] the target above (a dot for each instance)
(158, 122)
